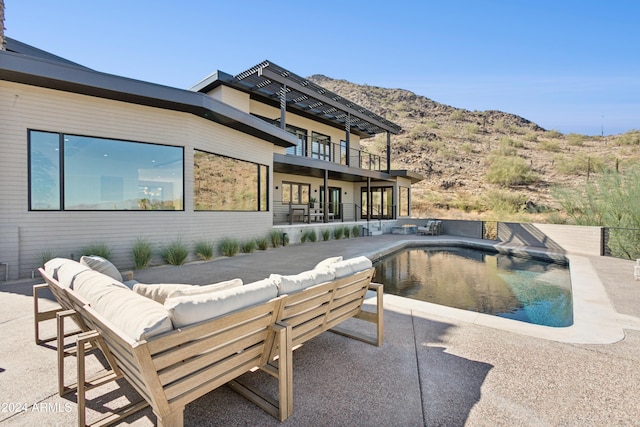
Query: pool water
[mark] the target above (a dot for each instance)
(519, 288)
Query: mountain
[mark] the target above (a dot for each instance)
(490, 164)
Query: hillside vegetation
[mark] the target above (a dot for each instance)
(486, 164)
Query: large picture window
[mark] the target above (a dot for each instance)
(227, 184)
(71, 172)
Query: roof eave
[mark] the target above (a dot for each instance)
(55, 75)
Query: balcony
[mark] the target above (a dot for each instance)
(326, 150)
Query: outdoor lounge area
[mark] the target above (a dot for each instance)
(435, 366)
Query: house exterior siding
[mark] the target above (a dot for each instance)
(25, 236)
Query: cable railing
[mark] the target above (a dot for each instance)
(309, 213)
(326, 150)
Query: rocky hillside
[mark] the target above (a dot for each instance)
(484, 163)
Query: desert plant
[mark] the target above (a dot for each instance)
(262, 243)
(575, 139)
(338, 232)
(326, 234)
(550, 145)
(142, 253)
(248, 246)
(45, 256)
(228, 247)
(579, 164)
(204, 249)
(553, 134)
(531, 136)
(276, 238)
(309, 235)
(98, 249)
(505, 201)
(610, 200)
(509, 170)
(175, 253)
(355, 231)
(457, 115)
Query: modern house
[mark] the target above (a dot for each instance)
(88, 158)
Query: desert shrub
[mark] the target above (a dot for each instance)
(248, 246)
(432, 125)
(457, 115)
(505, 141)
(355, 231)
(553, 134)
(630, 138)
(549, 145)
(276, 238)
(45, 256)
(98, 249)
(309, 235)
(175, 253)
(467, 202)
(471, 129)
(531, 136)
(579, 164)
(505, 201)
(509, 170)
(338, 232)
(142, 253)
(610, 200)
(575, 139)
(204, 249)
(262, 243)
(467, 147)
(499, 125)
(504, 150)
(326, 234)
(229, 247)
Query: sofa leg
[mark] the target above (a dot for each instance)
(174, 419)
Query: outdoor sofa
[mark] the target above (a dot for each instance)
(202, 337)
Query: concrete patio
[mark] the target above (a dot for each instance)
(437, 366)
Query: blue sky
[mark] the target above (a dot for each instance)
(568, 65)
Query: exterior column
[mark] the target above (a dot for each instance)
(388, 151)
(347, 137)
(283, 107)
(369, 208)
(325, 207)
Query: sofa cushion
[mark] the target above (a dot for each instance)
(327, 262)
(159, 292)
(52, 266)
(101, 265)
(68, 271)
(187, 310)
(297, 282)
(350, 266)
(132, 314)
(197, 290)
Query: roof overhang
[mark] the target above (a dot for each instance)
(305, 166)
(53, 74)
(266, 80)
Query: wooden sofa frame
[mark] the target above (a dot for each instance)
(177, 367)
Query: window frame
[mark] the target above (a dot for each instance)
(61, 172)
(259, 185)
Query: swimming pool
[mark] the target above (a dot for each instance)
(519, 288)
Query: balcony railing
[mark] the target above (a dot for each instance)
(292, 213)
(324, 149)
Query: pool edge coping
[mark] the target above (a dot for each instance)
(595, 321)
